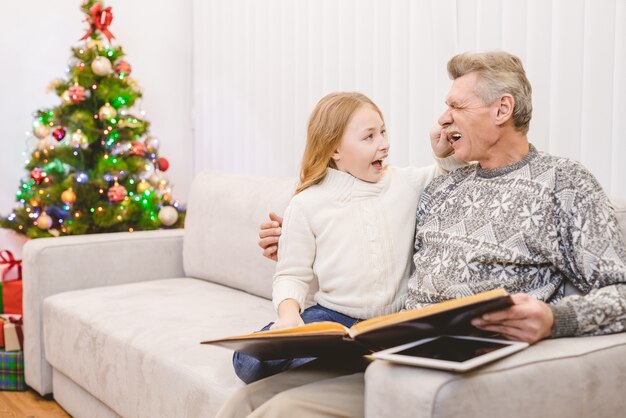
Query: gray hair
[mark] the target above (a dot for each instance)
(498, 72)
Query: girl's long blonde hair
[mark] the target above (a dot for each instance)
(325, 130)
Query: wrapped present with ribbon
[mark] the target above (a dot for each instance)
(12, 370)
(13, 334)
(11, 283)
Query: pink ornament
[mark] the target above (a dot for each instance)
(77, 93)
(138, 149)
(58, 134)
(116, 193)
(123, 67)
(163, 164)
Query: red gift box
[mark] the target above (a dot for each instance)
(11, 283)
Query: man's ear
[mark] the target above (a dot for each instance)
(504, 111)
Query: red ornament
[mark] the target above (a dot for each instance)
(116, 193)
(77, 93)
(163, 164)
(37, 174)
(58, 134)
(138, 149)
(123, 67)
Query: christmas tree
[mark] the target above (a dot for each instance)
(94, 167)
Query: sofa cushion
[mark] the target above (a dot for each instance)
(136, 347)
(222, 228)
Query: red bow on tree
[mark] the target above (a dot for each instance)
(8, 262)
(100, 20)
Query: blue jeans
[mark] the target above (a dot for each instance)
(250, 369)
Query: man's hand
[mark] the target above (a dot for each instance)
(439, 142)
(528, 319)
(288, 315)
(268, 236)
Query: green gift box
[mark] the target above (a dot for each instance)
(12, 370)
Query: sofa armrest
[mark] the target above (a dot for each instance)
(562, 377)
(55, 265)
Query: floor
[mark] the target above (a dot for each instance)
(28, 404)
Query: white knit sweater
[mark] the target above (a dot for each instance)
(356, 238)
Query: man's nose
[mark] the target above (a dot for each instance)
(445, 119)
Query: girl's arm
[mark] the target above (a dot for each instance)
(294, 270)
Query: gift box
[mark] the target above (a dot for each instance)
(12, 330)
(12, 370)
(11, 283)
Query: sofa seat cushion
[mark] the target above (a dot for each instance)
(136, 347)
(584, 372)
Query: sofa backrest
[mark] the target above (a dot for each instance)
(224, 212)
(222, 225)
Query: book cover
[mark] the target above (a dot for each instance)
(323, 339)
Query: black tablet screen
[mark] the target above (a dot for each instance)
(452, 349)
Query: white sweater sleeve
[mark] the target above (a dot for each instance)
(296, 253)
(421, 176)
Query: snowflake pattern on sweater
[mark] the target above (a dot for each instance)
(530, 227)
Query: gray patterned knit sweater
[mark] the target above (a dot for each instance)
(528, 227)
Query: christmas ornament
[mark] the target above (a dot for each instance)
(38, 175)
(123, 67)
(142, 186)
(116, 193)
(52, 86)
(138, 149)
(163, 164)
(65, 97)
(79, 140)
(168, 215)
(77, 93)
(33, 202)
(101, 66)
(44, 145)
(58, 134)
(152, 144)
(99, 19)
(167, 197)
(44, 221)
(68, 196)
(158, 180)
(107, 112)
(41, 131)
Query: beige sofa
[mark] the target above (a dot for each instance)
(113, 324)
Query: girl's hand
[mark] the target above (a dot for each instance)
(439, 142)
(288, 322)
(288, 315)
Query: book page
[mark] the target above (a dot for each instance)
(315, 328)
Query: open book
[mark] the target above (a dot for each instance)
(323, 339)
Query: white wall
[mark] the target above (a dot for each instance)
(35, 46)
(260, 66)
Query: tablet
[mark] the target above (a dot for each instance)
(456, 353)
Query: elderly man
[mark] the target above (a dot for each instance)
(518, 218)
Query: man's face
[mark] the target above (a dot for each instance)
(364, 145)
(468, 121)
